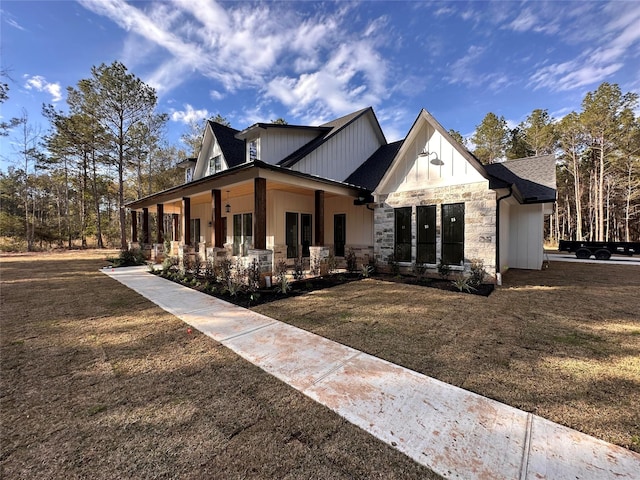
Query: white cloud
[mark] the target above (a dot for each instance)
(189, 115)
(305, 60)
(15, 24)
(40, 84)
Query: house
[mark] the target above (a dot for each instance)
(277, 192)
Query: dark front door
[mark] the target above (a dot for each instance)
(426, 235)
(453, 233)
(339, 233)
(402, 234)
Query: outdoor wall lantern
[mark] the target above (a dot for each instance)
(227, 207)
(435, 160)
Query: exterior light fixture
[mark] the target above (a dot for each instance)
(435, 160)
(227, 207)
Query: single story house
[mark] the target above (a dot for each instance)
(278, 192)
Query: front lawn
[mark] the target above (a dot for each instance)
(563, 343)
(97, 382)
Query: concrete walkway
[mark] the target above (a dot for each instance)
(454, 432)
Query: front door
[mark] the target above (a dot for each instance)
(426, 238)
(242, 233)
(453, 234)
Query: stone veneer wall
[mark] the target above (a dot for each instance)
(479, 217)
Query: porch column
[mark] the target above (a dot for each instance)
(260, 209)
(134, 226)
(319, 218)
(176, 226)
(216, 218)
(145, 226)
(160, 220)
(186, 221)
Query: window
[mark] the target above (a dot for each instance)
(194, 229)
(292, 234)
(188, 175)
(426, 234)
(254, 150)
(242, 233)
(402, 234)
(453, 234)
(339, 234)
(306, 234)
(215, 164)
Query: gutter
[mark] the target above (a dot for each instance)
(498, 269)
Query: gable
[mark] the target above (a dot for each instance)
(218, 140)
(430, 158)
(351, 141)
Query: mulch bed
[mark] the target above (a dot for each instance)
(301, 287)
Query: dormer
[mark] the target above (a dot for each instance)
(220, 150)
(270, 143)
(189, 165)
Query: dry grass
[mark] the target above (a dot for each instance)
(563, 343)
(96, 382)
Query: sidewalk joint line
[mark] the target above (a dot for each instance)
(524, 467)
(246, 332)
(334, 369)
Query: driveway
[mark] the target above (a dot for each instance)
(614, 260)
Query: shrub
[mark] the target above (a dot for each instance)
(209, 270)
(366, 271)
(478, 272)
(394, 266)
(170, 264)
(419, 270)
(282, 282)
(314, 265)
(298, 269)
(351, 260)
(253, 275)
(332, 263)
(444, 270)
(223, 270)
(463, 283)
(197, 264)
(129, 258)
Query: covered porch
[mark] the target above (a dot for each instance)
(255, 210)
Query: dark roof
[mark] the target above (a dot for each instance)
(369, 174)
(533, 177)
(187, 162)
(232, 148)
(330, 129)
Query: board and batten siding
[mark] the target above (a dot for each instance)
(343, 153)
(276, 144)
(210, 149)
(414, 172)
(526, 236)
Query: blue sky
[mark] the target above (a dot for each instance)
(309, 62)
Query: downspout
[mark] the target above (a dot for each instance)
(498, 269)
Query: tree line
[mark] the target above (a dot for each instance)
(598, 162)
(69, 185)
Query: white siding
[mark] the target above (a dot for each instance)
(276, 144)
(341, 155)
(210, 148)
(414, 172)
(526, 236)
(504, 261)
